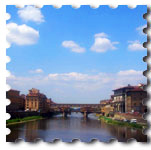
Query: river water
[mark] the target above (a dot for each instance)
(73, 127)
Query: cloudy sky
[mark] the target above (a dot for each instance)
(75, 55)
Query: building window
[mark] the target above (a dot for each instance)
(134, 98)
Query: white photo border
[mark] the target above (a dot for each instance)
(4, 73)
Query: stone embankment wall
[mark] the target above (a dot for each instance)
(129, 116)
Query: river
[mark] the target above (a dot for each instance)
(73, 127)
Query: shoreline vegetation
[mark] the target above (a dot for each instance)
(121, 123)
(22, 120)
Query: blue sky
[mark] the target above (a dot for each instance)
(75, 55)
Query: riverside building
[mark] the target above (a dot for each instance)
(128, 99)
(35, 101)
(17, 100)
(134, 100)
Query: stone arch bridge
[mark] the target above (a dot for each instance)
(66, 109)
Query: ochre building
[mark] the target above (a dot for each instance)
(35, 101)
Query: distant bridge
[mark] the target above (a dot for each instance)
(66, 109)
(76, 105)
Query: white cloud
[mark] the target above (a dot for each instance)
(140, 29)
(73, 46)
(102, 43)
(21, 34)
(129, 72)
(126, 77)
(77, 86)
(135, 46)
(102, 34)
(99, 80)
(36, 71)
(30, 13)
(71, 76)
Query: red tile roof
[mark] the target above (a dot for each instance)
(135, 88)
(123, 87)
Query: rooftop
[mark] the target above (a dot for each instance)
(138, 87)
(14, 90)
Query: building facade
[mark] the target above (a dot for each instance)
(126, 99)
(107, 107)
(119, 98)
(17, 100)
(134, 101)
(48, 104)
(129, 99)
(35, 101)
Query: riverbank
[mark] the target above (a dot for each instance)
(22, 120)
(121, 123)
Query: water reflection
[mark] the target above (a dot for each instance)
(72, 127)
